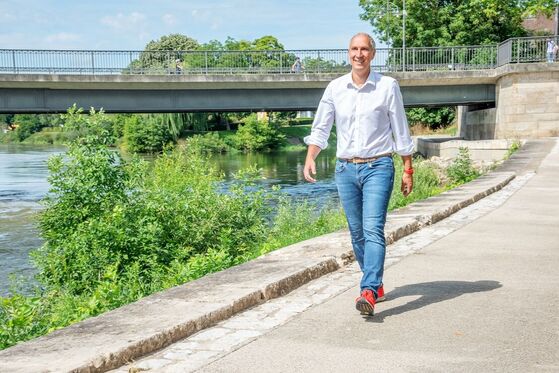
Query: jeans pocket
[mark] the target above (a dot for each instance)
(383, 162)
(340, 167)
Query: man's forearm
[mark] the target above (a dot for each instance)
(407, 162)
(312, 151)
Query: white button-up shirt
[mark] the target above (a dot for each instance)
(370, 120)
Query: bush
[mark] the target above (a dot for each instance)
(146, 134)
(433, 117)
(104, 213)
(210, 142)
(255, 135)
(96, 124)
(462, 170)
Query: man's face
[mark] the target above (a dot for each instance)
(360, 53)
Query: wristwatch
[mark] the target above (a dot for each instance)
(409, 171)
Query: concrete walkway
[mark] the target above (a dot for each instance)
(483, 298)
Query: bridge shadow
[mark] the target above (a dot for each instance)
(430, 293)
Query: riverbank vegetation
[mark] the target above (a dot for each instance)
(150, 133)
(118, 229)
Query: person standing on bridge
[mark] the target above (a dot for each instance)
(178, 66)
(297, 66)
(550, 51)
(370, 125)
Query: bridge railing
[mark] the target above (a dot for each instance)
(525, 50)
(22, 61)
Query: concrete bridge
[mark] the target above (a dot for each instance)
(517, 92)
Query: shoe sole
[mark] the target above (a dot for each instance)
(367, 311)
(364, 307)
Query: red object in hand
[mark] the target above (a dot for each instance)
(409, 171)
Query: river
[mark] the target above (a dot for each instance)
(23, 183)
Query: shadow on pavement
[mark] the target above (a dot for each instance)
(430, 292)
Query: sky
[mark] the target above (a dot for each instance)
(130, 25)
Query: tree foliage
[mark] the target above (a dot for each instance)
(434, 118)
(448, 22)
(255, 135)
(532, 7)
(160, 55)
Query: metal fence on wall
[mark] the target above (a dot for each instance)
(525, 50)
(20, 61)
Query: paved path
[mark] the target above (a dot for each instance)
(479, 293)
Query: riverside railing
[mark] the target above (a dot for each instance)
(91, 62)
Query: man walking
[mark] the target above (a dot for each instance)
(370, 125)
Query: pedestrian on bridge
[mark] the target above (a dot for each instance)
(297, 66)
(371, 125)
(178, 66)
(551, 50)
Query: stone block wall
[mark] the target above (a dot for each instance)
(527, 105)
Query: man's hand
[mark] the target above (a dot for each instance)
(310, 168)
(310, 165)
(407, 184)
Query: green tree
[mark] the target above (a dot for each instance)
(446, 22)
(83, 125)
(433, 117)
(255, 135)
(146, 133)
(160, 55)
(28, 124)
(546, 7)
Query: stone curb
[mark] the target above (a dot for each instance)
(117, 337)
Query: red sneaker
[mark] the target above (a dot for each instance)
(380, 294)
(366, 302)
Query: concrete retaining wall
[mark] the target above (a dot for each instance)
(448, 147)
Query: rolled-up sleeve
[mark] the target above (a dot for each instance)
(403, 144)
(323, 121)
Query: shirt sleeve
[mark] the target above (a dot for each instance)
(323, 121)
(403, 144)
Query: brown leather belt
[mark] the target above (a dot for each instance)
(364, 160)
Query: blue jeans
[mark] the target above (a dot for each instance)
(364, 191)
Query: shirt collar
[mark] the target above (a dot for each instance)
(371, 79)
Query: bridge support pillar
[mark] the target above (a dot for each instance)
(476, 122)
(527, 105)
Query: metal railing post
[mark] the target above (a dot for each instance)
(92, 63)
(413, 58)
(206, 59)
(517, 49)
(281, 62)
(452, 58)
(318, 63)
(14, 61)
(130, 65)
